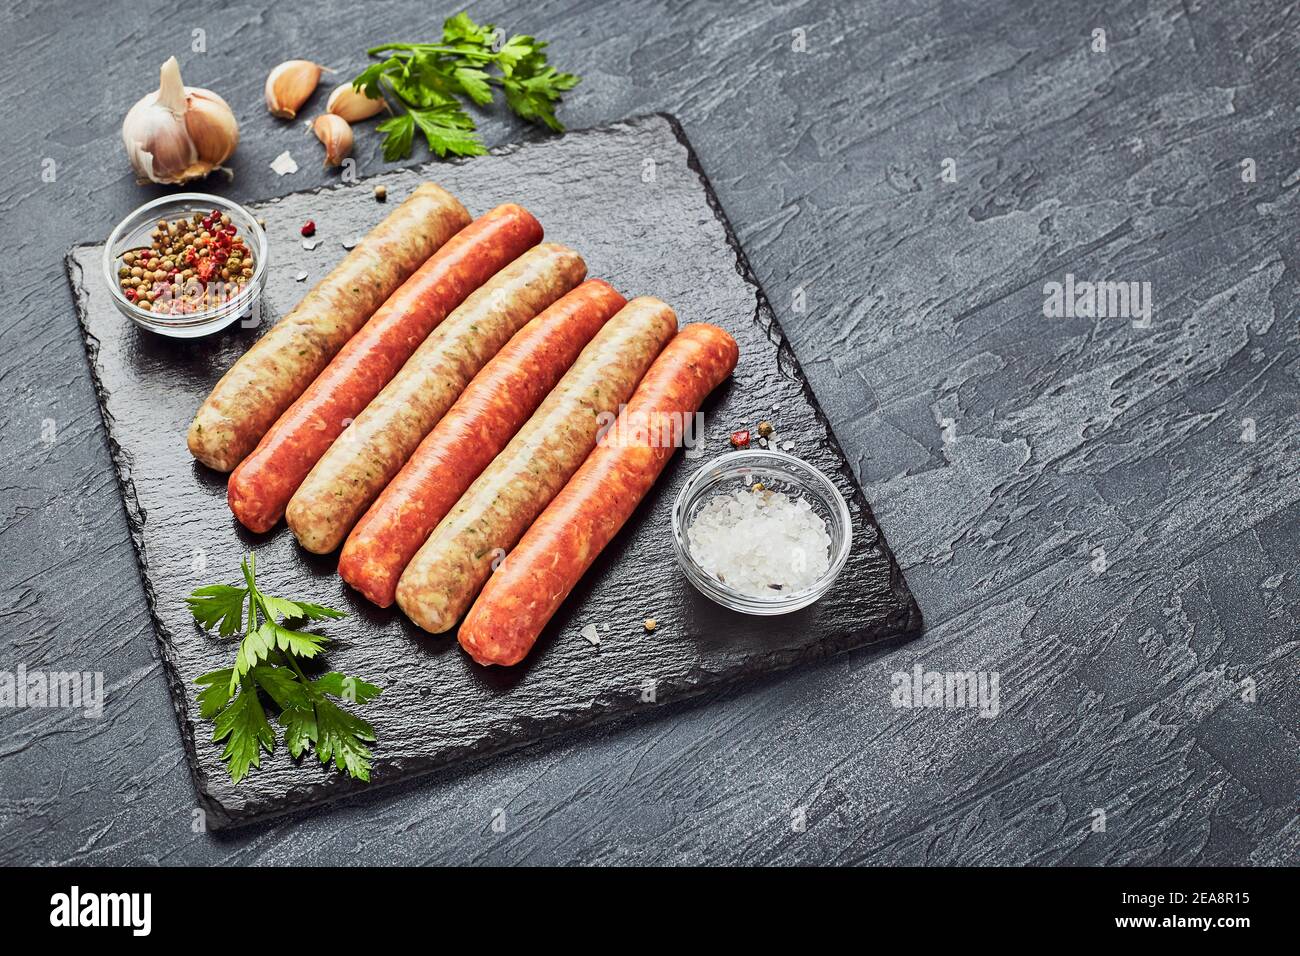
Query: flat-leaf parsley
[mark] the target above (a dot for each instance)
(429, 81)
(268, 668)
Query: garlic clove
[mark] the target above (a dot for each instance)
(211, 126)
(353, 105)
(333, 130)
(289, 85)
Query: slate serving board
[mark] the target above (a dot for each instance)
(632, 198)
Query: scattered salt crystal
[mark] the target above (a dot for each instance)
(348, 243)
(310, 244)
(284, 164)
(761, 543)
(592, 635)
(300, 277)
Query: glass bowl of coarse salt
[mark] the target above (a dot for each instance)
(761, 532)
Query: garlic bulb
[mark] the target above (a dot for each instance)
(353, 105)
(333, 130)
(289, 85)
(179, 132)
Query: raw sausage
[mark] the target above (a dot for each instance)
(557, 550)
(563, 542)
(264, 482)
(374, 447)
(440, 582)
(283, 362)
(494, 406)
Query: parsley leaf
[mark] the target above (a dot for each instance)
(351, 689)
(268, 668)
(299, 729)
(244, 722)
(315, 720)
(253, 649)
(515, 50)
(274, 607)
(474, 83)
(339, 735)
(302, 643)
(428, 81)
(282, 686)
(214, 700)
(401, 132)
(534, 97)
(462, 27)
(448, 130)
(314, 612)
(370, 78)
(218, 604)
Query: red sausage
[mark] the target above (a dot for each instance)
(355, 469)
(282, 363)
(451, 567)
(553, 555)
(486, 416)
(264, 482)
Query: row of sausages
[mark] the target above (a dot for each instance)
(442, 400)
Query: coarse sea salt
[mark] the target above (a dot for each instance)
(761, 543)
(284, 164)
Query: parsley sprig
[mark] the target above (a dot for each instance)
(429, 81)
(268, 667)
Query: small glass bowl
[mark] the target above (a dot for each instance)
(133, 232)
(778, 472)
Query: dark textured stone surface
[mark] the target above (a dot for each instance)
(1121, 691)
(661, 233)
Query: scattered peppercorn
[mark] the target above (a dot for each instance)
(740, 439)
(651, 624)
(191, 265)
(381, 193)
(308, 229)
(765, 429)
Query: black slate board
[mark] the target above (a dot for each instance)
(631, 197)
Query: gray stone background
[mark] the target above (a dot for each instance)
(1009, 457)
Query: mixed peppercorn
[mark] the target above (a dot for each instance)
(191, 265)
(741, 437)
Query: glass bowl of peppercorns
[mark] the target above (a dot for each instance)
(186, 265)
